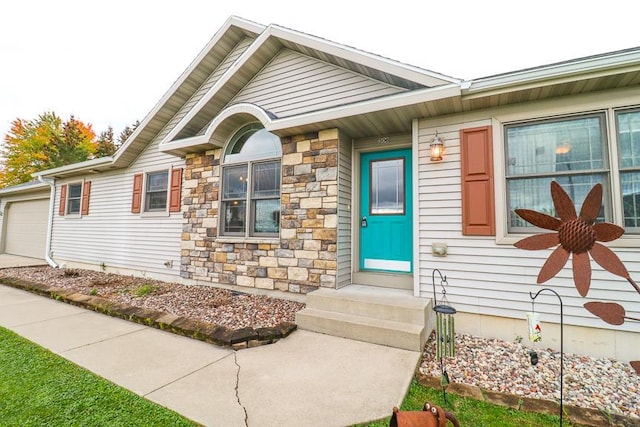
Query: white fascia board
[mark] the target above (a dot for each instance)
(557, 71)
(233, 21)
(87, 165)
(213, 90)
(24, 188)
(369, 106)
(183, 143)
(409, 72)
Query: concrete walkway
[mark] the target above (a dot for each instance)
(306, 379)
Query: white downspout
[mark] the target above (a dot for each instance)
(52, 199)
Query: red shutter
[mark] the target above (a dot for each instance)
(176, 190)
(478, 206)
(136, 200)
(86, 190)
(63, 200)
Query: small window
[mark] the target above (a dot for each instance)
(251, 184)
(155, 199)
(74, 198)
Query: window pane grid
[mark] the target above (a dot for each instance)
(73, 198)
(630, 183)
(156, 191)
(251, 207)
(571, 151)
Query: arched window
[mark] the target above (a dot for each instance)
(251, 183)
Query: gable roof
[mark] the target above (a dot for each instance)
(201, 101)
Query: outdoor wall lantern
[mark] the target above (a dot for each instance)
(436, 148)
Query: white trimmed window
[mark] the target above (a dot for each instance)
(575, 152)
(155, 193)
(251, 171)
(74, 198)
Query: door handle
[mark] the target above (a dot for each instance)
(363, 222)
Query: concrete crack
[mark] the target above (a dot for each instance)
(246, 416)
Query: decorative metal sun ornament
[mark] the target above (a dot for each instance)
(578, 235)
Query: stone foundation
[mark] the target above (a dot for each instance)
(303, 258)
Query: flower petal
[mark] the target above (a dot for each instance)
(562, 202)
(582, 273)
(554, 264)
(608, 260)
(606, 232)
(539, 219)
(610, 312)
(539, 241)
(591, 204)
(635, 364)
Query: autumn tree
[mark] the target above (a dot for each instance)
(45, 142)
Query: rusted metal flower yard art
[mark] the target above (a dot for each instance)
(578, 235)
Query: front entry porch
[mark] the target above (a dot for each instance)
(391, 317)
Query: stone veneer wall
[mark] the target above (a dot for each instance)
(303, 258)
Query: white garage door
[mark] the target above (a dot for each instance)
(26, 228)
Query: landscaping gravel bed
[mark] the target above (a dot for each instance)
(598, 383)
(603, 384)
(204, 303)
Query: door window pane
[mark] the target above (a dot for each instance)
(387, 187)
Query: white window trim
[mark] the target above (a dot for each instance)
(503, 237)
(67, 214)
(143, 202)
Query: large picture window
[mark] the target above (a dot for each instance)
(575, 152)
(251, 184)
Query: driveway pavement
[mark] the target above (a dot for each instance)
(306, 379)
(7, 260)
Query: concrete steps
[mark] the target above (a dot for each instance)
(383, 316)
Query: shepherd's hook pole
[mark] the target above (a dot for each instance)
(533, 297)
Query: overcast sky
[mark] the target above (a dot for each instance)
(109, 62)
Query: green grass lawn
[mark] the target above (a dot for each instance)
(39, 388)
(471, 412)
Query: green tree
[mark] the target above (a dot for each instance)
(105, 144)
(43, 143)
(127, 131)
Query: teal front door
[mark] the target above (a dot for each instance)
(386, 236)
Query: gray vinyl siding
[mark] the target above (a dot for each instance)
(488, 278)
(210, 81)
(344, 213)
(110, 233)
(293, 83)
